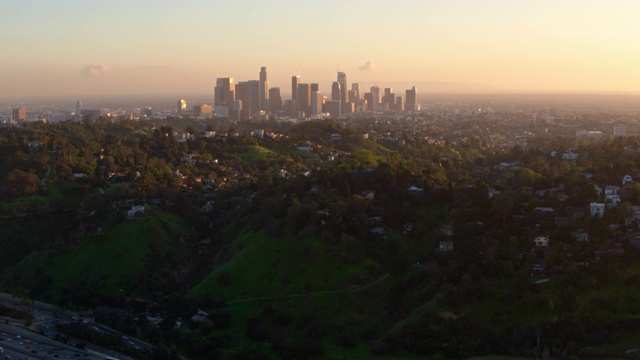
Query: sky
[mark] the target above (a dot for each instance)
(158, 47)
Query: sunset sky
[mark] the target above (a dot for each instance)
(66, 47)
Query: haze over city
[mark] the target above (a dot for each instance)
(106, 48)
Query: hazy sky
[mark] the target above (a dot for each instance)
(91, 47)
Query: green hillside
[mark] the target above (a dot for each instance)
(132, 258)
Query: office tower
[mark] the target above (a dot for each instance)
(410, 99)
(336, 91)
(264, 89)
(368, 98)
(376, 96)
(224, 91)
(342, 79)
(243, 94)
(254, 96)
(275, 100)
(304, 97)
(316, 102)
(182, 105)
(295, 81)
(399, 103)
(354, 94)
(314, 87)
(19, 114)
(78, 108)
(249, 93)
(389, 98)
(333, 107)
(336, 95)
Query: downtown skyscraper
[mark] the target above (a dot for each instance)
(224, 92)
(342, 79)
(410, 100)
(264, 90)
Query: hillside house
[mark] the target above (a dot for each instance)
(570, 154)
(541, 241)
(368, 194)
(611, 190)
(135, 211)
(627, 179)
(415, 191)
(580, 236)
(597, 209)
(445, 246)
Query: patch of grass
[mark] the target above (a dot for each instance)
(255, 153)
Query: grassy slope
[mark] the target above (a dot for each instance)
(104, 263)
(255, 153)
(273, 268)
(282, 266)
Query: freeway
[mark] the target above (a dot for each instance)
(46, 316)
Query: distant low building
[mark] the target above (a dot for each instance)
(445, 246)
(597, 209)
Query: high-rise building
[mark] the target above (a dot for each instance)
(182, 105)
(315, 87)
(304, 97)
(355, 91)
(225, 92)
(243, 94)
(410, 99)
(389, 99)
(275, 100)
(368, 99)
(342, 79)
(249, 93)
(399, 103)
(316, 102)
(295, 81)
(264, 89)
(19, 114)
(336, 95)
(376, 96)
(78, 108)
(336, 91)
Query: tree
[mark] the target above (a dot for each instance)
(20, 183)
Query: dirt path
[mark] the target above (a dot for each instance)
(360, 288)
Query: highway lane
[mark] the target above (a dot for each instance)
(47, 315)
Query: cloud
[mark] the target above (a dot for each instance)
(94, 71)
(369, 66)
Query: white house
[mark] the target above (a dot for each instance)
(611, 190)
(627, 179)
(612, 199)
(580, 235)
(131, 214)
(541, 241)
(597, 209)
(570, 154)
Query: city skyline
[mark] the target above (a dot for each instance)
(72, 48)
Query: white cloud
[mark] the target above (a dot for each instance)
(94, 71)
(369, 66)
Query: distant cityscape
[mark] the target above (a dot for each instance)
(255, 100)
